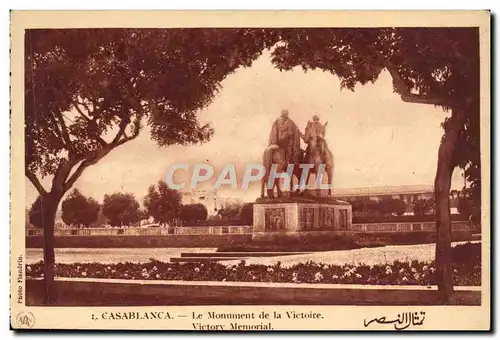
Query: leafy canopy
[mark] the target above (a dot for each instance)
(230, 211)
(35, 213)
(88, 91)
(84, 99)
(246, 213)
(423, 207)
(121, 209)
(163, 203)
(192, 213)
(80, 210)
(438, 66)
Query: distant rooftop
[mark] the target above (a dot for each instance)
(198, 191)
(389, 190)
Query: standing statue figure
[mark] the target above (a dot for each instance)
(286, 135)
(283, 149)
(317, 151)
(320, 134)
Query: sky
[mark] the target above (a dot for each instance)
(376, 138)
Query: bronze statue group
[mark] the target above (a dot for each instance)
(284, 150)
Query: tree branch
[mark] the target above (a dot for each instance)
(65, 133)
(123, 125)
(90, 159)
(91, 112)
(91, 123)
(402, 89)
(95, 156)
(61, 174)
(135, 133)
(84, 116)
(90, 96)
(56, 127)
(78, 172)
(36, 183)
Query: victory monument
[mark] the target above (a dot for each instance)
(305, 208)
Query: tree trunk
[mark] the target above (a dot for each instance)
(49, 205)
(442, 186)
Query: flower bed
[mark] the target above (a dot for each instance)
(466, 270)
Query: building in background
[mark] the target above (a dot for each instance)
(206, 197)
(210, 199)
(407, 193)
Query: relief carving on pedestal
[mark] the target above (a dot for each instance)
(275, 219)
(307, 218)
(343, 224)
(326, 217)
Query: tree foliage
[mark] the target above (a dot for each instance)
(163, 203)
(386, 206)
(192, 213)
(35, 213)
(79, 210)
(423, 207)
(88, 91)
(91, 90)
(230, 211)
(246, 213)
(121, 209)
(469, 206)
(392, 206)
(438, 66)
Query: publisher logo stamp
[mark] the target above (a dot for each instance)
(25, 320)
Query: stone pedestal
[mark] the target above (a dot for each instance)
(289, 216)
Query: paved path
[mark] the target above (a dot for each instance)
(112, 255)
(422, 252)
(369, 256)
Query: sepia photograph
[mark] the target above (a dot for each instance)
(265, 173)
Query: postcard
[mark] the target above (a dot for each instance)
(250, 170)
